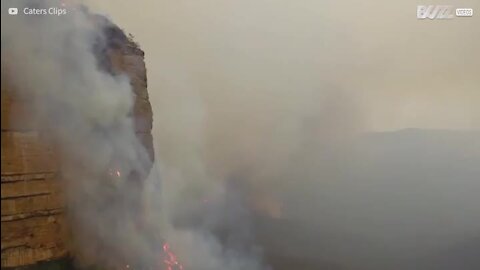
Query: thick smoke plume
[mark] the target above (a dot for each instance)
(58, 63)
(287, 96)
(261, 109)
(54, 62)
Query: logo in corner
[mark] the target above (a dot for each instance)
(435, 12)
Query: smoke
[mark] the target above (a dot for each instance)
(284, 96)
(263, 112)
(85, 111)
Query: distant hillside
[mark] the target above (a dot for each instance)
(396, 200)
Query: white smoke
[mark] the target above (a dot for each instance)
(243, 113)
(54, 62)
(275, 92)
(86, 112)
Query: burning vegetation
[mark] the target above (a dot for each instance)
(166, 259)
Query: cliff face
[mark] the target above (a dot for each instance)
(33, 226)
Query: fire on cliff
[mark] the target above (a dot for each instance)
(167, 259)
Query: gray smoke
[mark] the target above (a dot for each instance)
(264, 108)
(56, 62)
(86, 113)
(285, 95)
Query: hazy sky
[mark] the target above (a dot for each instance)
(403, 72)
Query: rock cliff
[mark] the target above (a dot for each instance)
(33, 227)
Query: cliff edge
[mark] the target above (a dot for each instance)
(33, 227)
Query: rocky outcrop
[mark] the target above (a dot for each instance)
(33, 227)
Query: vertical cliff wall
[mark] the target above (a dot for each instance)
(33, 227)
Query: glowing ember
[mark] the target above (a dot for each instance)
(167, 258)
(171, 261)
